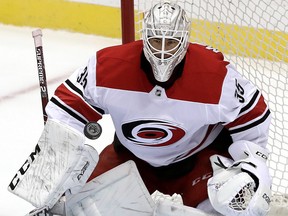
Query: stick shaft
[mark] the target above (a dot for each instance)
(37, 35)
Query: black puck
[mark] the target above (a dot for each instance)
(92, 130)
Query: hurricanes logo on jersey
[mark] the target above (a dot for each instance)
(152, 132)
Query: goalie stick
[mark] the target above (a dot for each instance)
(37, 35)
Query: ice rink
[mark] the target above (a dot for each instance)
(20, 102)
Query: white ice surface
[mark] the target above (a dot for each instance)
(21, 121)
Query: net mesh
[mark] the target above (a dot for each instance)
(253, 35)
(241, 200)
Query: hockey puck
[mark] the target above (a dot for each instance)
(92, 130)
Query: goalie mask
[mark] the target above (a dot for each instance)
(165, 36)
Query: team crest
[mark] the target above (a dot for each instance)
(152, 132)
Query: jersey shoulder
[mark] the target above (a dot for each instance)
(203, 76)
(205, 62)
(206, 50)
(119, 67)
(206, 54)
(126, 53)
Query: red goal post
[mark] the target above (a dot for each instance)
(127, 21)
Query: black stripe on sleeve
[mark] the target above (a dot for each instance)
(259, 121)
(98, 110)
(251, 102)
(70, 112)
(72, 86)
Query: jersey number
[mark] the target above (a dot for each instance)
(239, 92)
(82, 78)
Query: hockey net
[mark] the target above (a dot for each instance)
(253, 35)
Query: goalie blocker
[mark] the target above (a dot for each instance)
(59, 162)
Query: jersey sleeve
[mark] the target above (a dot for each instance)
(243, 109)
(75, 102)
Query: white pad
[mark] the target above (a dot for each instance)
(173, 206)
(247, 153)
(60, 161)
(157, 196)
(241, 187)
(168, 207)
(225, 185)
(120, 191)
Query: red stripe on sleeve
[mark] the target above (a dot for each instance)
(76, 103)
(256, 112)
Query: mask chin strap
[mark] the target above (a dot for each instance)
(162, 72)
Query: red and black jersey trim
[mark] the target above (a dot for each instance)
(251, 102)
(70, 112)
(254, 124)
(73, 87)
(71, 99)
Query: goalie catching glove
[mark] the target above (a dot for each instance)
(241, 187)
(60, 162)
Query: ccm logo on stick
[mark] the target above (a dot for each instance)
(24, 168)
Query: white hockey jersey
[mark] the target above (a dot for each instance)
(163, 126)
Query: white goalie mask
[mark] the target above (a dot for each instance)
(166, 30)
